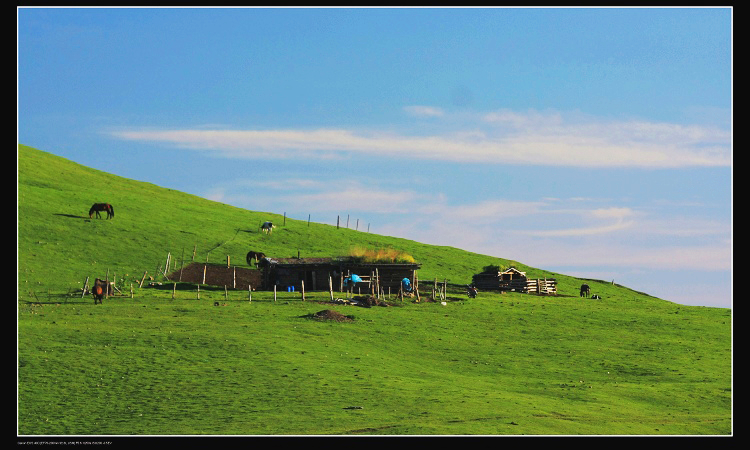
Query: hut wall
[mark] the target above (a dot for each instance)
(219, 275)
(316, 275)
(390, 274)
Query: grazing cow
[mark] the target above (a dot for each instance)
(585, 290)
(96, 207)
(254, 256)
(267, 227)
(99, 289)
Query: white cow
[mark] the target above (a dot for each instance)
(267, 227)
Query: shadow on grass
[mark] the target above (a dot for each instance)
(71, 216)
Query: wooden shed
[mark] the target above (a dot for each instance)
(514, 280)
(287, 273)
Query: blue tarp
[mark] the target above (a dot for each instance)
(352, 279)
(406, 285)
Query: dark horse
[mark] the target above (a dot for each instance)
(99, 289)
(96, 207)
(585, 290)
(254, 256)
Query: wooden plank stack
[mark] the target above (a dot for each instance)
(515, 282)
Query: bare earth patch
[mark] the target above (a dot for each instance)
(328, 314)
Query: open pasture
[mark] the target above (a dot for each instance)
(498, 364)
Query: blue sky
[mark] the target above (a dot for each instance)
(594, 142)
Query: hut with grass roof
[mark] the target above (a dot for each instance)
(290, 273)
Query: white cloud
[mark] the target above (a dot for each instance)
(353, 197)
(529, 120)
(314, 196)
(612, 213)
(485, 211)
(524, 138)
(710, 257)
(424, 111)
(586, 231)
(605, 237)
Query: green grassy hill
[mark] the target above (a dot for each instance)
(499, 364)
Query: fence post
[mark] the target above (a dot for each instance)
(166, 266)
(182, 262)
(85, 285)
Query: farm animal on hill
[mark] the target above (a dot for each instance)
(472, 292)
(97, 207)
(99, 289)
(585, 290)
(267, 227)
(254, 256)
(595, 297)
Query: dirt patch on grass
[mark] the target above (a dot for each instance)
(330, 315)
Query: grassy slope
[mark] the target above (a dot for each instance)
(500, 364)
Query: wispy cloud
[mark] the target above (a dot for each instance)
(585, 231)
(616, 245)
(309, 195)
(615, 216)
(500, 137)
(354, 197)
(424, 111)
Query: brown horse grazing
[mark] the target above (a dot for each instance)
(254, 256)
(96, 207)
